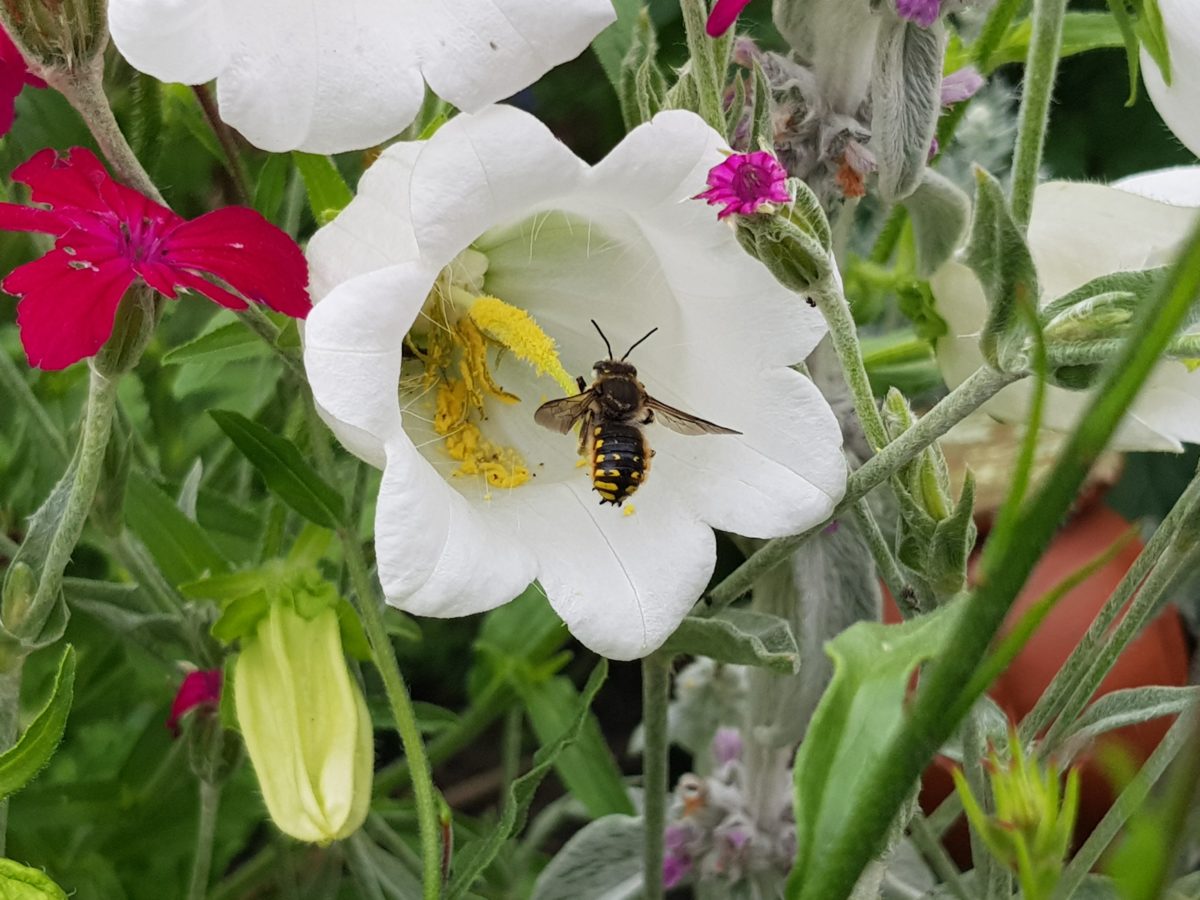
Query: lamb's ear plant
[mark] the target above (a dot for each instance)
(799, 236)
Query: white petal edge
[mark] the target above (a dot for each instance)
(173, 40)
(1178, 103)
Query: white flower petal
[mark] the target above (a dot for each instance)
(173, 40)
(437, 555)
(1179, 102)
(485, 170)
(497, 47)
(352, 354)
(1177, 186)
(326, 76)
(1079, 232)
(621, 583)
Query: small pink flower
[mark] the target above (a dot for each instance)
(677, 862)
(200, 689)
(723, 15)
(14, 75)
(726, 746)
(108, 235)
(923, 12)
(744, 183)
(961, 84)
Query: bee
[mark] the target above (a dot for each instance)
(611, 414)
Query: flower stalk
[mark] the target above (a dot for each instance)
(1041, 66)
(656, 695)
(206, 829)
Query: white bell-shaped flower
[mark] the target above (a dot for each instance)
(332, 75)
(455, 295)
(1179, 102)
(1079, 232)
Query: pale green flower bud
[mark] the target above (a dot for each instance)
(305, 724)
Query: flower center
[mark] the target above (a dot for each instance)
(459, 339)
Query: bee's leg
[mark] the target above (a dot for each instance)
(582, 384)
(649, 417)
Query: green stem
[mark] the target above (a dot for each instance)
(935, 854)
(384, 654)
(10, 709)
(981, 386)
(1041, 65)
(656, 694)
(229, 149)
(17, 388)
(942, 700)
(84, 90)
(842, 330)
(492, 701)
(85, 476)
(260, 323)
(1119, 813)
(1073, 672)
(702, 53)
(510, 749)
(885, 561)
(210, 801)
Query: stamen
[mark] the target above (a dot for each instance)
(516, 330)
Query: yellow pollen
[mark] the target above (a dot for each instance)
(515, 329)
(629, 510)
(500, 466)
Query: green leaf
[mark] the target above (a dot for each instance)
(1130, 707)
(1153, 34)
(601, 861)
(473, 858)
(228, 343)
(738, 636)
(182, 549)
(939, 212)
(272, 185)
(613, 43)
(1000, 258)
(21, 763)
(587, 767)
(1082, 31)
(18, 882)
(328, 193)
(286, 472)
(915, 301)
(860, 712)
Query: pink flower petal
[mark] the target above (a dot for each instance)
(67, 307)
(14, 217)
(724, 14)
(210, 290)
(14, 76)
(248, 253)
(201, 688)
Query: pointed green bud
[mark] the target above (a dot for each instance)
(1030, 830)
(305, 723)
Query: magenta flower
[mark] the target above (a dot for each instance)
(202, 689)
(14, 75)
(726, 746)
(107, 236)
(677, 862)
(723, 15)
(744, 183)
(923, 12)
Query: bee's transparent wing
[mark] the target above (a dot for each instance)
(562, 414)
(684, 423)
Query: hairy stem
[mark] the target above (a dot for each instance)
(1041, 65)
(206, 830)
(229, 149)
(702, 52)
(844, 333)
(656, 694)
(981, 386)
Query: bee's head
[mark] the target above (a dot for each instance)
(614, 367)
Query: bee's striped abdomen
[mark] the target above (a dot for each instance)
(620, 461)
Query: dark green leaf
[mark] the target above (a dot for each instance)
(183, 550)
(272, 185)
(225, 344)
(22, 762)
(473, 858)
(738, 636)
(328, 193)
(286, 472)
(587, 767)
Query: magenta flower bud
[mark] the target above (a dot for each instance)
(961, 84)
(200, 689)
(923, 12)
(727, 746)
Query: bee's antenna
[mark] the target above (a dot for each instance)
(607, 345)
(638, 341)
